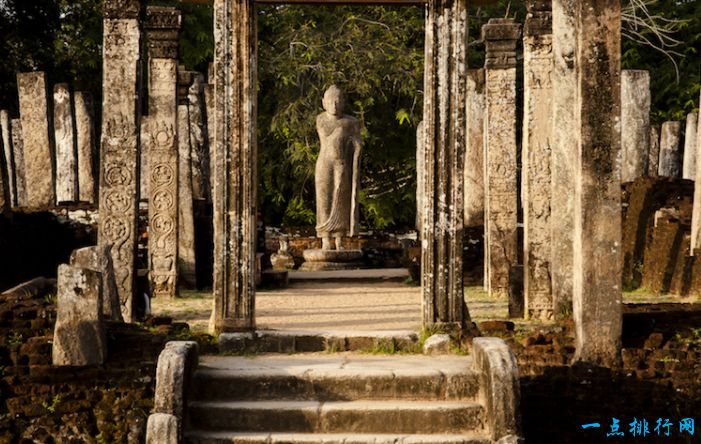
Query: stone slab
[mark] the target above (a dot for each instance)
(37, 142)
(670, 145)
(99, 259)
(689, 165)
(66, 150)
(79, 336)
(86, 146)
(18, 148)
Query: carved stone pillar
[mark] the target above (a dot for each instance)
(563, 152)
(18, 149)
(635, 123)
(501, 238)
(119, 176)
(670, 145)
(162, 27)
(536, 179)
(689, 166)
(39, 166)
(598, 264)
(85, 137)
(10, 162)
(234, 164)
(66, 154)
(474, 156)
(445, 86)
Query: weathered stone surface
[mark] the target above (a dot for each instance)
(635, 123)
(324, 260)
(209, 107)
(563, 152)
(445, 94)
(437, 345)
(499, 386)
(79, 336)
(99, 259)
(87, 147)
(198, 140)
(162, 428)
(696, 211)
(8, 149)
(161, 27)
(18, 149)
(689, 166)
(66, 153)
(144, 168)
(501, 198)
(670, 144)
(597, 239)
(119, 176)
(5, 197)
(420, 171)
(654, 155)
(337, 173)
(536, 180)
(176, 364)
(474, 156)
(234, 164)
(187, 266)
(39, 170)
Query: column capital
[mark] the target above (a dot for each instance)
(539, 20)
(501, 37)
(162, 27)
(122, 9)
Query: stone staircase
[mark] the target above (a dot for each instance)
(339, 398)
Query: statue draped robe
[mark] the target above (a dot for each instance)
(337, 176)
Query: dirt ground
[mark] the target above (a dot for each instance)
(347, 306)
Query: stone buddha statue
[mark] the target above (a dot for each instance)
(337, 174)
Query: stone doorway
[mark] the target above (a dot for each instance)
(235, 169)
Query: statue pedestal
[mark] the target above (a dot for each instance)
(329, 260)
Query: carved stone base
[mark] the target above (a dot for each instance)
(328, 260)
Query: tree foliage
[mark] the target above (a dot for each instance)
(374, 53)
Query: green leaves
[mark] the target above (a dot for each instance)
(376, 55)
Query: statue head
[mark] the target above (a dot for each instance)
(334, 101)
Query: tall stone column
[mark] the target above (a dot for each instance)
(564, 141)
(420, 171)
(162, 26)
(653, 164)
(211, 124)
(474, 152)
(635, 123)
(689, 166)
(696, 209)
(198, 141)
(445, 125)
(536, 179)
(18, 149)
(66, 153)
(5, 198)
(85, 138)
(670, 144)
(597, 238)
(38, 145)
(187, 265)
(119, 175)
(501, 199)
(234, 164)
(6, 140)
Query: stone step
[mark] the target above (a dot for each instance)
(200, 437)
(309, 341)
(335, 378)
(432, 417)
